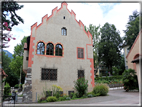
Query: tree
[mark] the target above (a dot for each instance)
(9, 9)
(9, 19)
(19, 49)
(110, 46)
(17, 60)
(12, 79)
(95, 31)
(132, 28)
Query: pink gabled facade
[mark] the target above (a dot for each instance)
(70, 62)
(134, 52)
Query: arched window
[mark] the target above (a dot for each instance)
(64, 31)
(40, 48)
(58, 50)
(50, 49)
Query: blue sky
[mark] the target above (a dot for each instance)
(88, 13)
(106, 7)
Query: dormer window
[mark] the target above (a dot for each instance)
(64, 31)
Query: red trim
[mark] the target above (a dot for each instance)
(54, 49)
(134, 43)
(134, 64)
(31, 49)
(91, 66)
(57, 10)
(77, 52)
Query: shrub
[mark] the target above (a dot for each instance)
(130, 80)
(84, 96)
(62, 98)
(81, 86)
(6, 89)
(55, 90)
(16, 86)
(68, 98)
(51, 99)
(75, 95)
(90, 95)
(101, 89)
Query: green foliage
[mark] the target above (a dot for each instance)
(119, 77)
(51, 99)
(115, 71)
(16, 64)
(68, 98)
(6, 89)
(110, 46)
(12, 79)
(90, 95)
(17, 61)
(81, 86)
(9, 15)
(5, 61)
(101, 89)
(16, 86)
(75, 96)
(132, 28)
(130, 80)
(19, 48)
(55, 90)
(62, 98)
(121, 65)
(95, 31)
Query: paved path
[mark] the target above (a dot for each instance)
(115, 97)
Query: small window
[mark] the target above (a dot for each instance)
(64, 31)
(80, 52)
(80, 73)
(40, 48)
(50, 49)
(58, 51)
(49, 74)
(27, 58)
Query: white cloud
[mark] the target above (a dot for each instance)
(90, 13)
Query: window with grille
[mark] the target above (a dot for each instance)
(80, 52)
(40, 48)
(48, 74)
(58, 51)
(64, 31)
(50, 49)
(80, 73)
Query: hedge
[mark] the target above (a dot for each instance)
(109, 78)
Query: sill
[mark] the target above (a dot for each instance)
(48, 55)
(80, 58)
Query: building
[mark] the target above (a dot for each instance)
(126, 51)
(134, 55)
(58, 52)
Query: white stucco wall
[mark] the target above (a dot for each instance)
(68, 65)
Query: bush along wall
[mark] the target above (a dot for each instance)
(130, 80)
